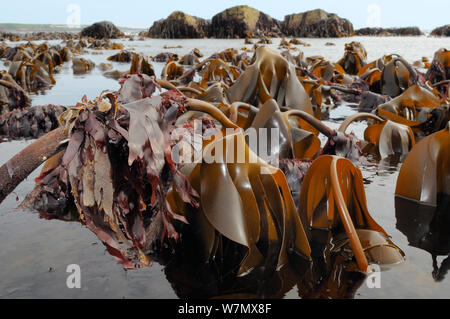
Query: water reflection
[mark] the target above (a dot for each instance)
(331, 274)
(427, 228)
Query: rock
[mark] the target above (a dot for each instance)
(179, 25)
(408, 31)
(317, 24)
(102, 30)
(443, 31)
(242, 21)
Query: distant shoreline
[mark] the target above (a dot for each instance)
(29, 28)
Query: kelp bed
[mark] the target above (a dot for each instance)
(236, 228)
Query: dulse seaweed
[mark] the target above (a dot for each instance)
(118, 167)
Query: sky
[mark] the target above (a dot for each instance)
(141, 14)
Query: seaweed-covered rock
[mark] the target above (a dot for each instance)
(179, 25)
(30, 122)
(317, 24)
(408, 31)
(241, 21)
(102, 30)
(443, 31)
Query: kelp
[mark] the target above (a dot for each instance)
(140, 65)
(218, 71)
(327, 71)
(425, 174)
(439, 69)
(82, 65)
(33, 65)
(191, 58)
(14, 171)
(12, 96)
(260, 212)
(172, 70)
(270, 76)
(418, 108)
(31, 76)
(397, 76)
(333, 198)
(104, 44)
(426, 228)
(122, 56)
(297, 135)
(354, 59)
(389, 138)
(384, 138)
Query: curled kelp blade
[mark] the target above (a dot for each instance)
(354, 58)
(390, 138)
(397, 76)
(247, 201)
(297, 132)
(378, 248)
(333, 196)
(426, 171)
(270, 76)
(414, 108)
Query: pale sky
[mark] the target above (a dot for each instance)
(141, 14)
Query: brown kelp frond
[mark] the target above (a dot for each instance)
(397, 76)
(270, 76)
(332, 197)
(140, 65)
(390, 138)
(425, 174)
(245, 200)
(354, 58)
(355, 117)
(12, 96)
(440, 69)
(418, 108)
(219, 71)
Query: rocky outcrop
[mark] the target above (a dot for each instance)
(443, 31)
(408, 31)
(317, 24)
(179, 25)
(242, 21)
(102, 30)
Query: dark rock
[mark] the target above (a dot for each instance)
(317, 24)
(179, 25)
(443, 31)
(408, 31)
(102, 30)
(243, 21)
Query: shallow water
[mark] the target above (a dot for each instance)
(34, 252)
